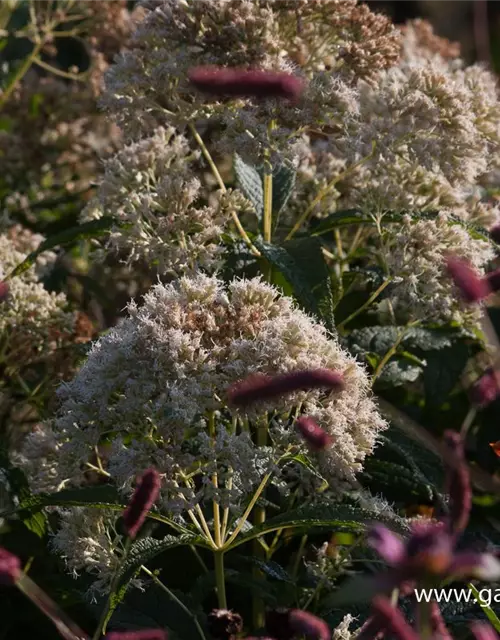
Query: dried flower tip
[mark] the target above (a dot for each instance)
(277, 624)
(10, 567)
(392, 620)
(262, 387)
(486, 389)
(316, 437)
(144, 634)
(4, 291)
(224, 624)
(142, 500)
(221, 81)
(483, 631)
(472, 287)
(458, 483)
(304, 623)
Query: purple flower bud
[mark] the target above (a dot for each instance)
(316, 437)
(495, 233)
(10, 567)
(260, 387)
(387, 544)
(141, 502)
(470, 564)
(4, 290)
(486, 389)
(438, 626)
(308, 625)
(493, 280)
(429, 551)
(222, 81)
(392, 620)
(472, 287)
(144, 634)
(483, 631)
(224, 624)
(458, 484)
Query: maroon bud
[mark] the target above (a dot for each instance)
(224, 624)
(316, 437)
(308, 625)
(10, 568)
(486, 389)
(144, 634)
(472, 287)
(221, 81)
(392, 620)
(4, 291)
(141, 502)
(438, 626)
(483, 631)
(493, 280)
(457, 483)
(260, 387)
(278, 624)
(495, 233)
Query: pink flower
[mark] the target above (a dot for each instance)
(260, 387)
(10, 567)
(221, 81)
(483, 631)
(486, 389)
(141, 502)
(472, 287)
(316, 437)
(4, 291)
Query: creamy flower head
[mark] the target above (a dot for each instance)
(151, 191)
(162, 372)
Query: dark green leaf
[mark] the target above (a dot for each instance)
(249, 181)
(283, 185)
(443, 371)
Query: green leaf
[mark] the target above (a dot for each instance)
(283, 185)
(273, 570)
(443, 371)
(249, 181)
(145, 549)
(302, 264)
(401, 482)
(341, 219)
(398, 372)
(92, 229)
(490, 614)
(335, 517)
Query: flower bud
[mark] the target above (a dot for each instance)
(308, 625)
(222, 81)
(391, 619)
(141, 502)
(4, 290)
(144, 634)
(224, 624)
(458, 484)
(316, 437)
(261, 387)
(10, 567)
(486, 389)
(483, 631)
(472, 287)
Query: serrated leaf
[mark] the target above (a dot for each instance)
(399, 480)
(283, 185)
(92, 229)
(443, 372)
(273, 570)
(341, 219)
(398, 372)
(145, 549)
(335, 517)
(249, 181)
(302, 264)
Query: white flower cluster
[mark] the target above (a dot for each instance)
(32, 319)
(157, 383)
(151, 192)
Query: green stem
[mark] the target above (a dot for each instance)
(220, 579)
(157, 581)
(19, 75)
(364, 306)
(249, 508)
(268, 203)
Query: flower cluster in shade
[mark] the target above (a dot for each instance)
(162, 215)
(159, 380)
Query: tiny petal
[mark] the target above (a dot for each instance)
(262, 387)
(387, 544)
(144, 634)
(316, 437)
(4, 290)
(472, 287)
(429, 551)
(458, 483)
(308, 625)
(468, 564)
(246, 83)
(483, 631)
(392, 619)
(224, 624)
(10, 567)
(486, 389)
(141, 502)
